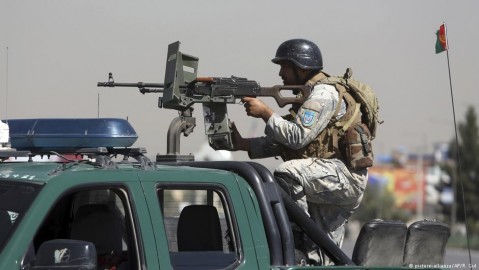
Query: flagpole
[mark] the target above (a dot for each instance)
(453, 210)
(453, 207)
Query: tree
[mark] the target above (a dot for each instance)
(378, 202)
(467, 177)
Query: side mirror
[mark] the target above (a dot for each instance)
(66, 254)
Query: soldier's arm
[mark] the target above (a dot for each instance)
(263, 147)
(260, 147)
(312, 118)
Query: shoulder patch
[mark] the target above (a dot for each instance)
(307, 118)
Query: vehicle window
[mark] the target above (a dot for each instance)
(199, 227)
(99, 216)
(15, 199)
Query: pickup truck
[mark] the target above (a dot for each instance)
(92, 209)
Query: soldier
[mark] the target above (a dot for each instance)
(314, 174)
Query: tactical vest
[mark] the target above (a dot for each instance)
(328, 143)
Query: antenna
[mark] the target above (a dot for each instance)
(98, 106)
(4, 129)
(6, 91)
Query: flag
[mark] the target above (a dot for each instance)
(441, 43)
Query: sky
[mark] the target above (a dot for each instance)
(53, 53)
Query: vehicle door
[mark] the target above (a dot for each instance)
(200, 220)
(105, 208)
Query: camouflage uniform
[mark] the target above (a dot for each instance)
(324, 188)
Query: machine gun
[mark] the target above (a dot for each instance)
(182, 88)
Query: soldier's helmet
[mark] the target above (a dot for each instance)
(301, 52)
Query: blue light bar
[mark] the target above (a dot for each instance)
(55, 133)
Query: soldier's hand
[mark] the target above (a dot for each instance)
(257, 108)
(239, 143)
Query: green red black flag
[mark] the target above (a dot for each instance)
(441, 43)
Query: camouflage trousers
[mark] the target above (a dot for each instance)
(327, 191)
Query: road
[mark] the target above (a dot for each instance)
(459, 258)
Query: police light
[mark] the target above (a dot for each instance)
(70, 133)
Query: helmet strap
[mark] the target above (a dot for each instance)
(301, 78)
(311, 74)
(298, 72)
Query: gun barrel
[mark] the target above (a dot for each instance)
(138, 84)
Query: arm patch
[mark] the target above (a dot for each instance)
(308, 117)
(309, 113)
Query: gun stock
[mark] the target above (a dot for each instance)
(275, 92)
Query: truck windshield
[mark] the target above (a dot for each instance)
(15, 198)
